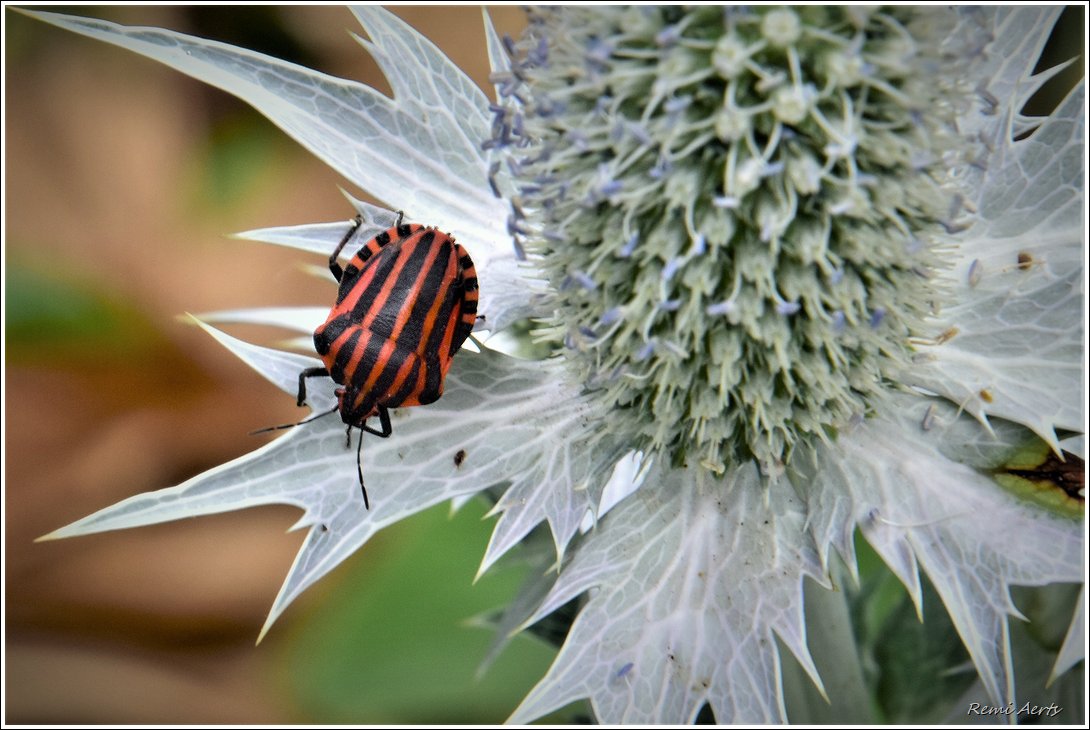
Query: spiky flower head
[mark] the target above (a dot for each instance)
(740, 211)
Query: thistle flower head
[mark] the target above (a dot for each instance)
(740, 211)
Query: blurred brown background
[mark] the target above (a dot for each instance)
(124, 179)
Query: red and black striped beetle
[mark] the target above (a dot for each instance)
(407, 301)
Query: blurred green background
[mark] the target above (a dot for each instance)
(124, 179)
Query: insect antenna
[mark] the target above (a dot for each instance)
(293, 425)
(359, 470)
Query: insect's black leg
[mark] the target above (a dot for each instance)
(400, 217)
(308, 373)
(348, 436)
(334, 267)
(384, 420)
(359, 470)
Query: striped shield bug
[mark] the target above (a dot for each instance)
(406, 303)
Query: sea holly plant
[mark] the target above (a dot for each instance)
(807, 273)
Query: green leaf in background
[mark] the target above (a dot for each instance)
(394, 647)
(55, 316)
(232, 167)
(924, 665)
